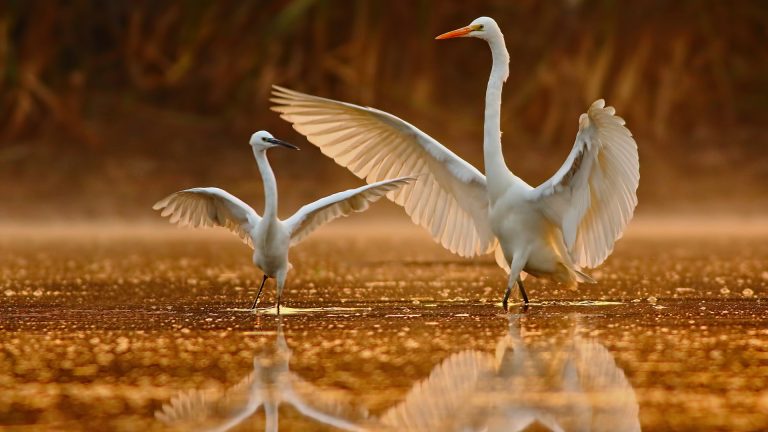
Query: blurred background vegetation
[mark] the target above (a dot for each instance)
(106, 106)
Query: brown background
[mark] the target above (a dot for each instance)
(107, 106)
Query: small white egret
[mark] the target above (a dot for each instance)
(569, 222)
(270, 237)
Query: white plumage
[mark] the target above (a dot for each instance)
(207, 207)
(449, 199)
(316, 214)
(269, 237)
(569, 222)
(592, 196)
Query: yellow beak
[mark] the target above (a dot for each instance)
(456, 33)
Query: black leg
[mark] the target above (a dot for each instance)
(506, 297)
(522, 290)
(278, 305)
(256, 301)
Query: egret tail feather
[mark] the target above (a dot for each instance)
(584, 278)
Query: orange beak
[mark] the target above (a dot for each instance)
(456, 33)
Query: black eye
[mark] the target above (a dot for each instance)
(480, 27)
(264, 139)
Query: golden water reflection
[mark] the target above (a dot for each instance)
(566, 383)
(269, 385)
(572, 384)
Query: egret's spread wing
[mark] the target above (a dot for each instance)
(329, 406)
(593, 195)
(606, 389)
(451, 398)
(324, 210)
(210, 206)
(449, 197)
(211, 410)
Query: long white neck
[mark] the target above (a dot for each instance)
(270, 185)
(495, 167)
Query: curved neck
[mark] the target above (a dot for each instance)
(270, 185)
(493, 156)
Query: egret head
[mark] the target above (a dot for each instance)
(482, 28)
(263, 140)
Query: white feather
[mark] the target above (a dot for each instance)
(210, 206)
(324, 210)
(375, 145)
(593, 195)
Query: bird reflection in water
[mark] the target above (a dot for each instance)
(269, 385)
(531, 383)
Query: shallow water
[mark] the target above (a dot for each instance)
(128, 329)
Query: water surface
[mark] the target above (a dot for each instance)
(148, 328)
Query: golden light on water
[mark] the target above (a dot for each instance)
(112, 320)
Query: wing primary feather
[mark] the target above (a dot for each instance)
(375, 145)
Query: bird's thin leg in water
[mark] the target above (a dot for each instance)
(506, 296)
(280, 279)
(256, 301)
(522, 290)
(518, 262)
(510, 284)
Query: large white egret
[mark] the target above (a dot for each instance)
(269, 237)
(569, 222)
